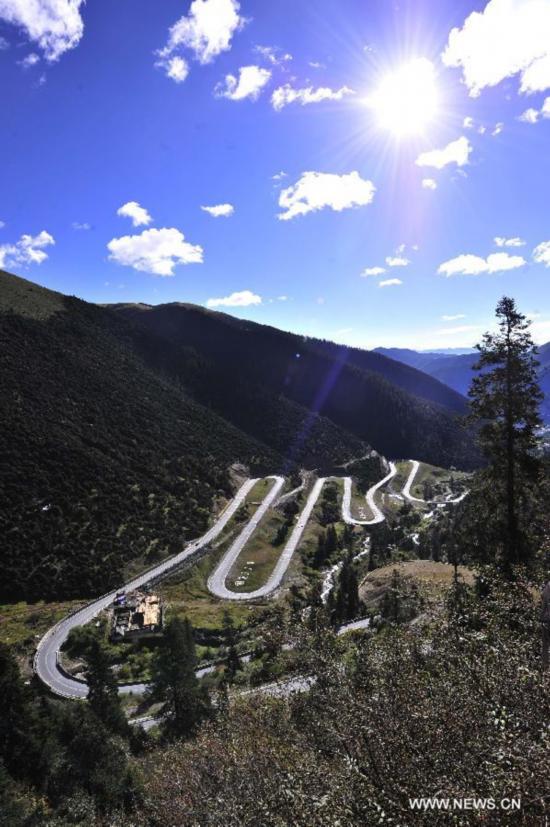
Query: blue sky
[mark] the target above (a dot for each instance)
(405, 147)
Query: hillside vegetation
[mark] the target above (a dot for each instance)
(396, 409)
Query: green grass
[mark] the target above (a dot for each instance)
(437, 478)
(257, 560)
(23, 624)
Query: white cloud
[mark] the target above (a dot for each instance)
(429, 184)
(470, 265)
(279, 176)
(154, 251)
(207, 30)
(508, 37)
(469, 123)
(457, 152)
(4, 44)
(509, 242)
(397, 261)
(529, 116)
(454, 317)
(273, 54)
(28, 250)
(373, 271)
(282, 298)
(244, 298)
(81, 226)
(541, 253)
(498, 129)
(133, 210)
(2, 224)
(54, 25)
(536, 78)
(389, 282)
(532, 115)
(249, 84)
(29, 60)
(220, 210)
(316, 190)
(284, 95)
(176, 68)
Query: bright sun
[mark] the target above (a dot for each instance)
(406, 99)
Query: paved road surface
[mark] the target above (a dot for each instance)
(217, 580)
(46, 659)
(415, 465)
(47, 653)
(378, 516)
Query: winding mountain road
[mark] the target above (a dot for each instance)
(217, 580)
(47, 658)
(415, 465)
(378, 516)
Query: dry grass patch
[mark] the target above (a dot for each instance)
(433, 579)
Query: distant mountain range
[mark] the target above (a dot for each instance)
(120, 425)
(456, 370)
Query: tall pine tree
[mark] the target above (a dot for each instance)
(505, 399)
(174, 681)
(103, 696)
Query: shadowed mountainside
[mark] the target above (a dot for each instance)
(364, 393)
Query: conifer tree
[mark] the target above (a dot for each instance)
(232, 663)
(320, 552)
(174, 681)
(103, 696)
(505, 399)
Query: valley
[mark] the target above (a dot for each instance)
(47, 659)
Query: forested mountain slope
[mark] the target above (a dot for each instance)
(363, 393)
(105, 457)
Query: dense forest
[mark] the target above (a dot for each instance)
(106, 458)
(118, 435)
(395, 408)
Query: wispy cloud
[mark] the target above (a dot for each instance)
(541, 253)
(220, 210)
(243, 298)
(471, 265)
(389, 282)
(533, 115)
(500, 241)
(285, 95)
(373, 271)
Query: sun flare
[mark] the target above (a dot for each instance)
(407, 99)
